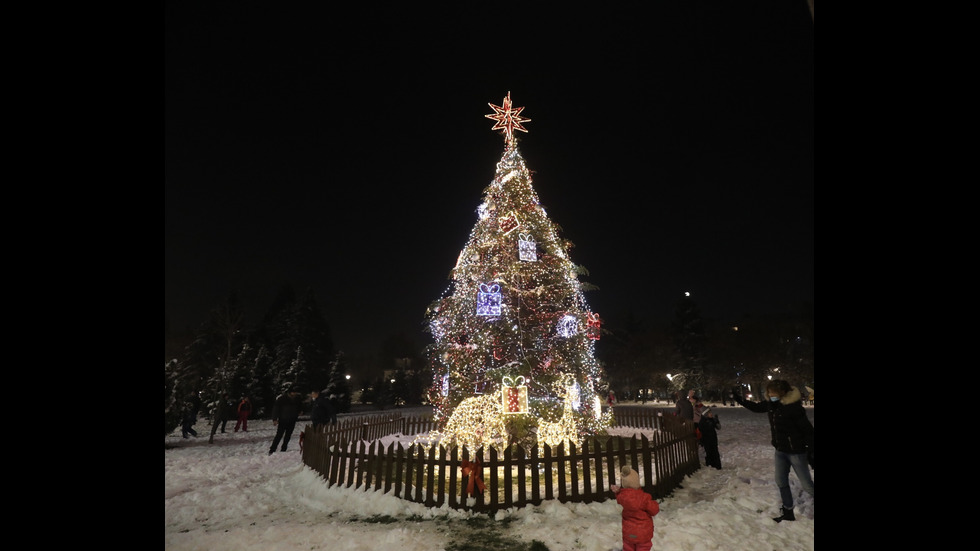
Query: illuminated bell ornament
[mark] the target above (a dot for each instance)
(526, 248)
(567, 326)
(513, 395)
(488, 300)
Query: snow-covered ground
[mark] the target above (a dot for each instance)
(232, 495)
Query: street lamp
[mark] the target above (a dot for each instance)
(347, 377)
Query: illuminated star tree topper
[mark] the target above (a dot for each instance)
(508, 119)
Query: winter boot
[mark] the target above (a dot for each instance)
(787, 515)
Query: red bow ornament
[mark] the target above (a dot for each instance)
(474, 471)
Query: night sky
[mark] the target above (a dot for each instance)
(348, 150)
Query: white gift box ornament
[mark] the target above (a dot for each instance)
(526, 248)
(488, 300)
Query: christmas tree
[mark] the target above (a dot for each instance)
(514, 339)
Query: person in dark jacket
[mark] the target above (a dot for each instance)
(709, 426)
(639, 508)
(792, 436)
(684, 408)
(285, 413)
(222, 413)
(322, 412)
(188, 418)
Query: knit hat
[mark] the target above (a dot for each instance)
(631, 479)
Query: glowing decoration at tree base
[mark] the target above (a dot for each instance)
(563, 430)
(513, 396)
(526, 248)
(476, 422)
(566, 428)
(488, 300)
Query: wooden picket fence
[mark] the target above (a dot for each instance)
(489, 480)
(371, 427)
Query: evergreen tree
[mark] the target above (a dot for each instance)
(338, 385)
(516, 307)
(188, 375)
(260, 389)
(171, 405)
(241, 372)
(690, 344)
(226, 324)
(303, 346)
(314, 334)
(292, 376)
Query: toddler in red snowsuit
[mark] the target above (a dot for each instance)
(639, 508)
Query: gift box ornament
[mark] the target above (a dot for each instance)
(592, 325)
(508, 223)
(526, 248)
(514, 395)
(488, 300)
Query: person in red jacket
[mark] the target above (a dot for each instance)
(244, 409)
(639, 508)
